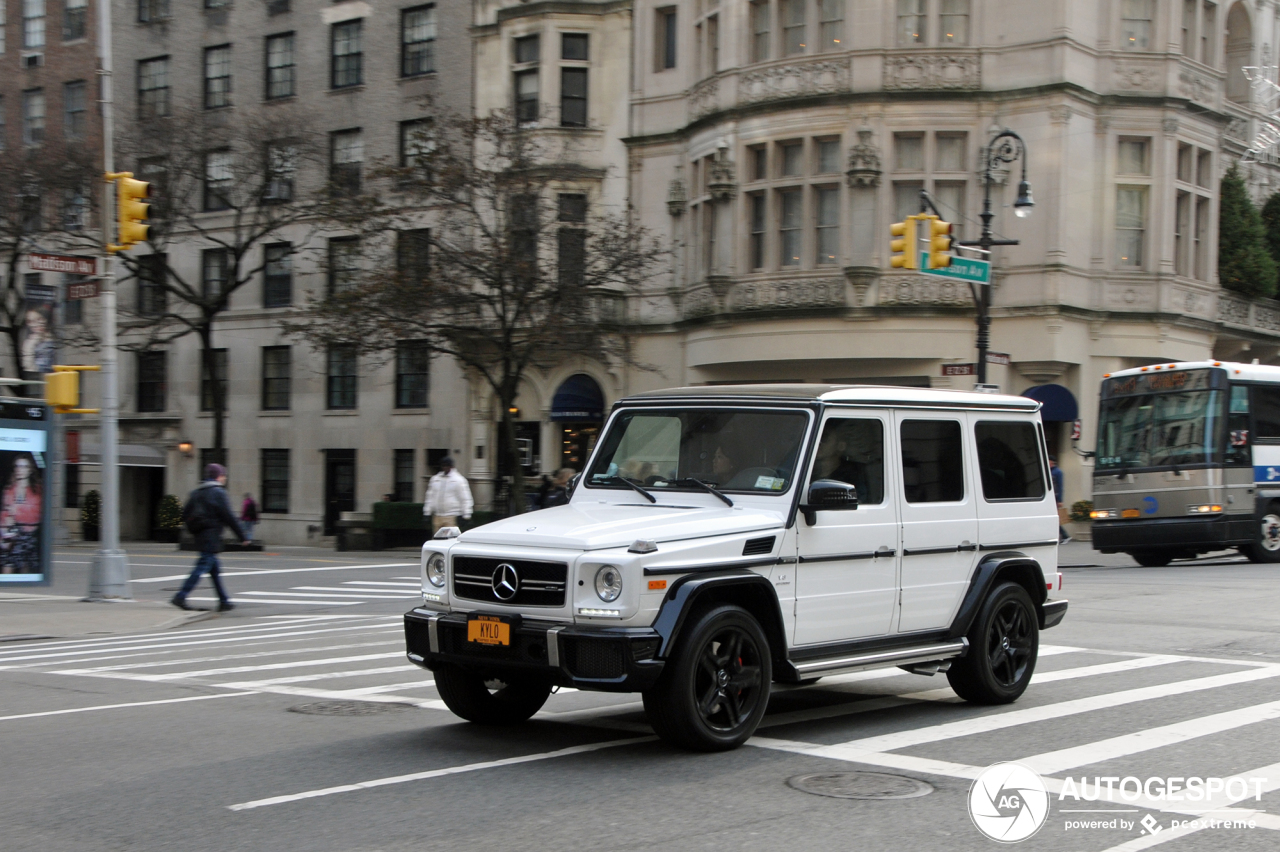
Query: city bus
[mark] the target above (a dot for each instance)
(1188, 462)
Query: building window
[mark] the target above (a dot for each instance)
(790, 222)
(75, 208)
(153, 381)
(346, 162)
(218, 180)
(275, 482)
(403, 492)
(571, 240)
(793, 40)
(828, 156)
(74, 19)
(937, 162)
(152, 10)
(344, 255)
(282, 69)
(761, 25)
(73, 110)
(4, 129)
(153, 87)
(152, 271)
(1193, 197)
(713, 44)
(71, 485)
(416, 143)
(1135, 24)
(1133, 157)
(792, 159)
(830, 24)
(1131, 222)
(911, 22)
(1207, 24)
(527, 49)
(417, 41)
(277, 275)
(207, 386)
(758, 220)
(573, 97)
(1181, 233)
(217, 76)
(908, 152)
(1201, 259)
(341, 374)
(413, 363)
(32, 24)
(828, 228)
(953, 22)
(759, 157)
(347, 60)
(413, 254)
(277, 375)
(213, 279)
(33, 117)
(526, 79)
(282, 165)
(665, 39)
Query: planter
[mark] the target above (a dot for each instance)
(1080, 530)
(167, 536)
(90, 532)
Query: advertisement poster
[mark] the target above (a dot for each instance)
(38, 345)
(25, 481)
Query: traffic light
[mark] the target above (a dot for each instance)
(62, 390)
(939, 243)
(132, 210)
(905, 242)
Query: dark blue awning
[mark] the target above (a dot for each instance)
(1057, 403)
(578, 398)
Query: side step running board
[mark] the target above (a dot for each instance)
(882, 659)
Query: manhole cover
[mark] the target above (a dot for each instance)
(347, 708)
(860, 785)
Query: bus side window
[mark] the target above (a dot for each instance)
(1265, 405)
(1238, 427)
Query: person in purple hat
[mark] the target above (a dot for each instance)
(207, 511)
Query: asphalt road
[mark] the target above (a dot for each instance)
(225, 734)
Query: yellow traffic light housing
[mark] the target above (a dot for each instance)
(904, 242)
(132, 210)
(939, 243)
(62, 390)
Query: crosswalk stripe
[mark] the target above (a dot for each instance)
(358, 590)
(276, 653)
(405, 585)
(160, 678)
(354, 594)
(391, 687)
(263, 571)
(310, 601)
(1066, 674)
(127, 705)
(252, 684)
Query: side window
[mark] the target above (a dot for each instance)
(1238, 427)
(1266, 411)
(852, 451)
(932, 461)
(1009, 460)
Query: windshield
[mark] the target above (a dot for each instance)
(752, 451)
(1160, 430)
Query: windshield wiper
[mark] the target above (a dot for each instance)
(630, 484)
(707, 487)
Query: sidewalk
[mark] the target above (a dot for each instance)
(36, 616)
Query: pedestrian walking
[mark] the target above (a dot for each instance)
(559, 493)
(1055, 473)
(248, 516)
(207, 511)
(448, 497)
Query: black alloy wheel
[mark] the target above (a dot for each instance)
(1266, 543)
(715, 689)
(1004, 643)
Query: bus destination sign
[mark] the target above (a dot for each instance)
(1162, 382)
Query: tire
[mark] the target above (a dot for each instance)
(1266, 544)
(468, 696)
(715, 688)
(1152, 558)
(1004, 643)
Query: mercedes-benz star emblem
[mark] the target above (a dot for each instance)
(506, 582)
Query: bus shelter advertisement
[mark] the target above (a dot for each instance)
(25, 480)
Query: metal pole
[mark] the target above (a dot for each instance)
(109, 573)
(982, 295)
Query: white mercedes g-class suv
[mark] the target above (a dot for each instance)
(722, 539)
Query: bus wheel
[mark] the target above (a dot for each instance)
(1152, 558)
(1266, 547)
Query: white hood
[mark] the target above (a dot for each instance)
(595, 526)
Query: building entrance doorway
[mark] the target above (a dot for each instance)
(339, 487)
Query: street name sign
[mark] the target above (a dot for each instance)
(961, 269)
(68, 263)
(82, 290)
(970, 369)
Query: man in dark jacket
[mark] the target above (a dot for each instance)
(207, 511)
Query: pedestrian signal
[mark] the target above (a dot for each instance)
(903, 245)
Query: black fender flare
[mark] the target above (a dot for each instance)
(752, 591)
(1006, 564)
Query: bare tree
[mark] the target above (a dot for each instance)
(47, 200)
(516, 270)
(226, 187)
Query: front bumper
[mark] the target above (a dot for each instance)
(606, 659)
(1199, 534)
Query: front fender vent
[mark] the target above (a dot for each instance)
(759, 546)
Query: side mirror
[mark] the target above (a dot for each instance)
(573, 484)
(828, 494)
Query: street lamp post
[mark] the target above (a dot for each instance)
(1004, 148)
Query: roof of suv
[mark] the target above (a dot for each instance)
(837, 394)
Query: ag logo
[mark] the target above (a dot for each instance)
(1008, 802)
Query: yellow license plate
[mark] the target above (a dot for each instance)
(488, 630)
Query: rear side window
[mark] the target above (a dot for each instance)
(932, 461)
(1009, 461)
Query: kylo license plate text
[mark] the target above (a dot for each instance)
(488, 630)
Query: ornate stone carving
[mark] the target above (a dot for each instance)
(861, 278)
(1237, 128)
(1169, 125)
(704, 97)
(1135, 76)
(700, 302)
(677, 198)
(789, 81)
(864, 161)
(1195, 86)
(721, 184)
(775, 295)
(1060, 114)
(1194, 303)
(1266, 317)
(932, 71)
(920, 290)
(1233, 310)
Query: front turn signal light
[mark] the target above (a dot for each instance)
(1204, 509)
(1104, 514)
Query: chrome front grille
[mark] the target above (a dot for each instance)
(540, 583)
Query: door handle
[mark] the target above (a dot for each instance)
(966, 547)
(885, 551)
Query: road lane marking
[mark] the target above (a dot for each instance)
(309, 602)
(252, 655)
(1129, 665)
(292, 664)
(263, 571)
(252, 684)
(121, 706)
(336, 592)
(438, 773)
(390, 687)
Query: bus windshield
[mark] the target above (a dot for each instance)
(1161, 430)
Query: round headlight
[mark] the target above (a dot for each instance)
(608, 583)
(435, 570)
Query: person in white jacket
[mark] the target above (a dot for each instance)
(448, 497)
